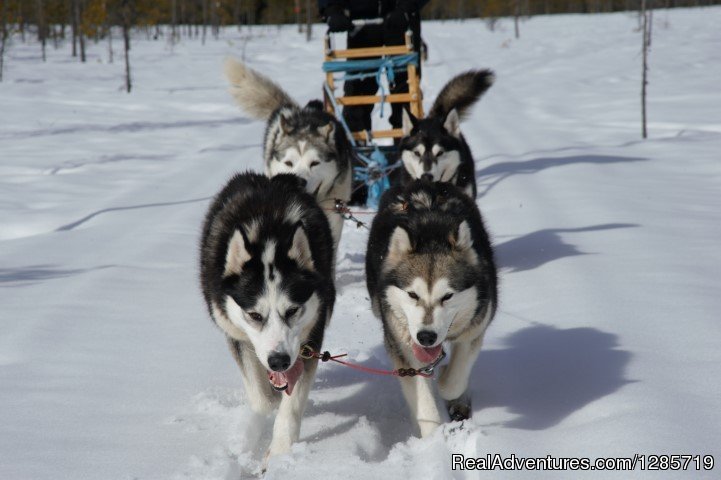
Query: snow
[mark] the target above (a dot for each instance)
(606, 343)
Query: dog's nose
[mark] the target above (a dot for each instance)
(427, 177)
(278, 362)
(426, 338)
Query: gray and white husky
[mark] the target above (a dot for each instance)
(432, 281)
(307, 141)
(434, 148)
(265, 272)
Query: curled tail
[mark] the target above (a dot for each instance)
(461, 92)
(255, 93)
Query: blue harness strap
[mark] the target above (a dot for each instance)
(375, 169)
(374, 67)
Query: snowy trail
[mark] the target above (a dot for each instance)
(606, 343)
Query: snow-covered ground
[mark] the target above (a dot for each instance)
(608, 339)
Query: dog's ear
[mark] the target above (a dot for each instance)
(463, 242)
(284, 121)
(326, 131)
(453, 123)
(300, 249)
(399, 247)
(409, 122)
(237, 253)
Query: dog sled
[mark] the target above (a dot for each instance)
(374, 161)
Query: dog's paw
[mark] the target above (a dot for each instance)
(459, 409)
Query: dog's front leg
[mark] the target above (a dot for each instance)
(453, 382)
(286, 428)
(422, 402)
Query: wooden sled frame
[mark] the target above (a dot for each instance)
(414, 96)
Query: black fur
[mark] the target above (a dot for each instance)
(308, 120)
(429, 132)
(250, 197)
(429, 228)
(459, 94)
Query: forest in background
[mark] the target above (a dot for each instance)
(58, 19)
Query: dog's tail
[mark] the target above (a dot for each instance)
(462, 92)
(255, 93)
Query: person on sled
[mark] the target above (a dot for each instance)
(398, 16)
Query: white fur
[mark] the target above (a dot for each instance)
(418, 392)
(443, 169)
(444, 313)
(453, 123)
(275, 335)
(236, 255)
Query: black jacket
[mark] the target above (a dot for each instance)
(370, 8)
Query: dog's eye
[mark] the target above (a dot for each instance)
(416, 153)
(290, 312)
(255, 316)
(412, 295)
(439, 153)
(314, 163)
(289, 163)
(446, 297)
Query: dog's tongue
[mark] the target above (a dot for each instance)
(426, 355)
(289, 377)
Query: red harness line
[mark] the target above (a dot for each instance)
(307, 353)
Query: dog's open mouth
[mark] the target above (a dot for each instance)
(285, 381)
(427, 354)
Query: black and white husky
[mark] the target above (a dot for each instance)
(434, 148)
(432, 281)
(265, 272)
(307, 141)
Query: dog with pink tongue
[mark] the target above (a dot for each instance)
(266, 263)
(432, 281)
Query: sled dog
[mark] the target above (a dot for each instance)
(307, 141)
(265, 273)
(432, 281)
(434, 147)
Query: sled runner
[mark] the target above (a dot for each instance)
(374, 162)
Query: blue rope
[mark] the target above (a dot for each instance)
(375, 67)
(374, 175)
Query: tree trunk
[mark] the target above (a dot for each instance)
(644, 70)
(42, 30)
(78, 26)
(3, 36)
(308, 21)
(516, 14)
(173, 21)
(126, 41)
(74, 25)
(205, 19)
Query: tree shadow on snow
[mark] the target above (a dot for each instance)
(542, 246)
(77, 223)
(545, 374)
(492, 175)
(18, 277)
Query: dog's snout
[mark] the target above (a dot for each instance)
(426, 338)
(279, 362)
(427, 177)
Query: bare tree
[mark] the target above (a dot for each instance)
(127, 7)
(308, 21)
(74, 26)
(42, 28)
(4, 33)
(516, 15)
(79, 28)
(644, 70)
(173, 21)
